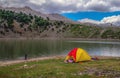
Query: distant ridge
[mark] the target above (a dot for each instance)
(28, 10)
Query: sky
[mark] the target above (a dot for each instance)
(94, 11)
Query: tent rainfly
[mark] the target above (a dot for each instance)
(78, 55)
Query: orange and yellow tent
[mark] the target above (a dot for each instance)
(78, 54)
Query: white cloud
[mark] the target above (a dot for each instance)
(13, 3)
(58, 6)
(37, 2)
(115, 20)
(96, 5)
(86, 20)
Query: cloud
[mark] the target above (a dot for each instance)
(114, 20)
(13, 3)
(86, 20)
(60, 6)
(37, 2)
(96, 5)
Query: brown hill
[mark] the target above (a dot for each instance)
(28, 10)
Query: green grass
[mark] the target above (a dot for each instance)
(56, 68)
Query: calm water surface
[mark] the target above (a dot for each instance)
(16, 49)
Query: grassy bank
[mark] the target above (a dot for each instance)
(56, 68)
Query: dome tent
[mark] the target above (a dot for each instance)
(78, 54)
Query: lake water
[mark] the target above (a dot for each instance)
(16, 49)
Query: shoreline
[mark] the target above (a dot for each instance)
(58, 38)
(11, 62)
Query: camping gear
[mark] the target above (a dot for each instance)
(70, 61)
(78, 54)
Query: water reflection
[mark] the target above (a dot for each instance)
(100, 48)
(12, 49)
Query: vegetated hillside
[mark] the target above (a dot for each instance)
(20, 24)
(27, 10)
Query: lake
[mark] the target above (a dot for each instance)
(16, 48)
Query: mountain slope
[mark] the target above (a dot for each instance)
(21, 23)
(27, 10)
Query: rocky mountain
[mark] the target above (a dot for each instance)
(92, 23)
(28, 10)
(25, 22)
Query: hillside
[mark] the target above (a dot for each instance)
(27, 10)
(24, 22)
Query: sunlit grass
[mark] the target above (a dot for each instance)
(56, 68)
